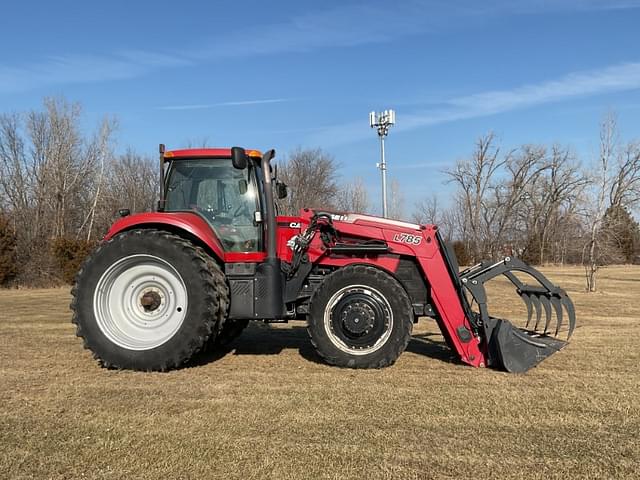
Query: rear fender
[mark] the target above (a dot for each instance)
(189, 225)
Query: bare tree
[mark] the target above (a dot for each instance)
(14, 171)
(493, 191)
(133, 182)
(517, 203)
(353, 197)
(615, 184)
(625, 187)
(522, 168)
(64, 167)
(427, 210)
(60, 186)
(473, 178)
(602, 183)
(396, 201)
(98, 152)
(430, 210)
(550, 204)
(50, 180)
(312, 179)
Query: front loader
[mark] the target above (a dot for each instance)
(165, 285)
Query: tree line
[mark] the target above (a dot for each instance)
(543, 205)
(61, 188)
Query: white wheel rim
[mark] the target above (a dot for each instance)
(328, 319)
(118, 302)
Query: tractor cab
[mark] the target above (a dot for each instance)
(228, 198)
(226, 191)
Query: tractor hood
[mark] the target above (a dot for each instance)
(364, 220)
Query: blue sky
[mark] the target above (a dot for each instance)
(289, 74)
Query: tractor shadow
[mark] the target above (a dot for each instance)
(432, 345)
(265, 339)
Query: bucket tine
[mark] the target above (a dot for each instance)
(557, 306)
(527, 301)
(544, 300)
(568, 304)
(536, 304)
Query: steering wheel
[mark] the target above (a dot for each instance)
(243, 209)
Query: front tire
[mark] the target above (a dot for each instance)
(360, 317)
(145, 300)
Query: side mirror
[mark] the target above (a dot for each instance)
(238, 158)
(281, 190)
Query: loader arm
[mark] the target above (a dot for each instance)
(453, 313)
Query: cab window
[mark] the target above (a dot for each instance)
(226, 197)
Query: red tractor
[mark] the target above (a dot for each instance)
(164, 285)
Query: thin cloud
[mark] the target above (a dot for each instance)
(337, 27)
(343, 26)
(203, 106)
(66, 69)
(536, 6)
(616, 78)
(610, 79)
(421, 165)
(542, 7)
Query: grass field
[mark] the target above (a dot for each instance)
(269, 409)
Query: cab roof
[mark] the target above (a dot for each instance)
(206, 153)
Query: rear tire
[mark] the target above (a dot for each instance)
(360, 317)
(146, 300)
(231, 330)
(227, 329)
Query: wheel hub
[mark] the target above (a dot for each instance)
(358, 318)
(150, 300)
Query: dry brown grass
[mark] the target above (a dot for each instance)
(268, 409)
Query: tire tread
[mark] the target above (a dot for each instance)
(405, 315)
(208, 279)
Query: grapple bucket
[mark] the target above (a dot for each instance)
(518, 349)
